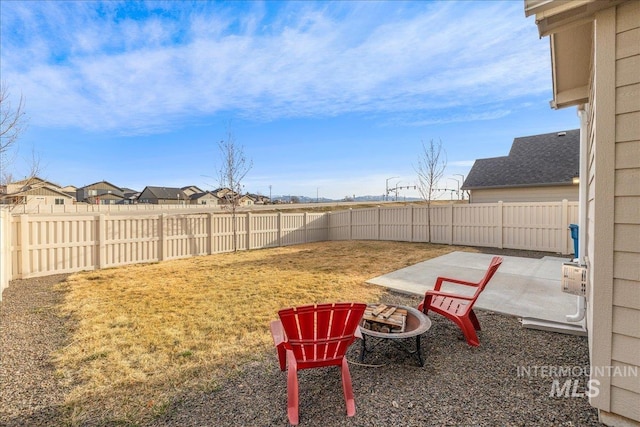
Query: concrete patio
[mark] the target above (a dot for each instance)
(523, 287)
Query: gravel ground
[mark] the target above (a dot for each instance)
(30, 330)
(458, 385)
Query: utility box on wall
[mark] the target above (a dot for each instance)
(574, 279)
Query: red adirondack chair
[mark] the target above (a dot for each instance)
(457, 307)
(313, 336)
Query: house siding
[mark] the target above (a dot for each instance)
(625, 395)
(615, 317)
(525, 194)
(612, 179)
(600, 205)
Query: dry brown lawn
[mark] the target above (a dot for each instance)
(144, 333)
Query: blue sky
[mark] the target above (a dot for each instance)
(326, 98)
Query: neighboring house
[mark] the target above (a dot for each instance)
(100, 193)
(130, 196)
(539, 168)
(259, 199)
(204, 198)
(245, 201)
(35, 191)
(227, 196)
(192, 189)
(71, 190)
(163, 196)
(595, 61)
(224, 193)
(199, 197)
(33, 182)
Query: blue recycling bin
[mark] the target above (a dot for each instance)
(574, 236)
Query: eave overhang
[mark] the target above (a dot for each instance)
(554, 15)
(569, 23)
(571, 53)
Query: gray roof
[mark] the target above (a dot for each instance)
(167, 193)
(547, 159)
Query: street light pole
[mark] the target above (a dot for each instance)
(386, 194)
(459, 174)
(458, 190)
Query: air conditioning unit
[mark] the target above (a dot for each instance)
(574, 279)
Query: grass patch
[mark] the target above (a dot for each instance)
(147, 332)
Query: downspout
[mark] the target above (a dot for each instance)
(583, 187)
(582, 209)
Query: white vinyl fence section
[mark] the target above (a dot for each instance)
(539, 226)
(44, 244)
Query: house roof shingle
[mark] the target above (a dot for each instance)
(547, 159)
(167, 193)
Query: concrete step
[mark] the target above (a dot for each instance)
(547, 325)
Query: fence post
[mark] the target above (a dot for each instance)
(412, 216)
(248, 230)
(378, 225)
(350, 223)
(408, 224)
(162, 242)
(279, 229)
(564, 223)
(450, 225)
(211, 227)
(306, 231)
(101, 257)
(25, 237)
(500, 222)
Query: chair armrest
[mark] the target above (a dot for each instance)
(448, 294)
(441, 280)
(277, 333)
(280, 341)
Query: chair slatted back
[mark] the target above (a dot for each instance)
(493, 267)
(321, 334)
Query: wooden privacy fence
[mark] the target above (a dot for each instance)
(39, 245)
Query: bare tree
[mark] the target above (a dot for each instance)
(234, 167)
(432, 162)
(12, 124)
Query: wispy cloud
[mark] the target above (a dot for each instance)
(133, 68)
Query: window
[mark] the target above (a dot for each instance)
(59, 201)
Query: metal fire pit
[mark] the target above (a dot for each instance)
(416, 324)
